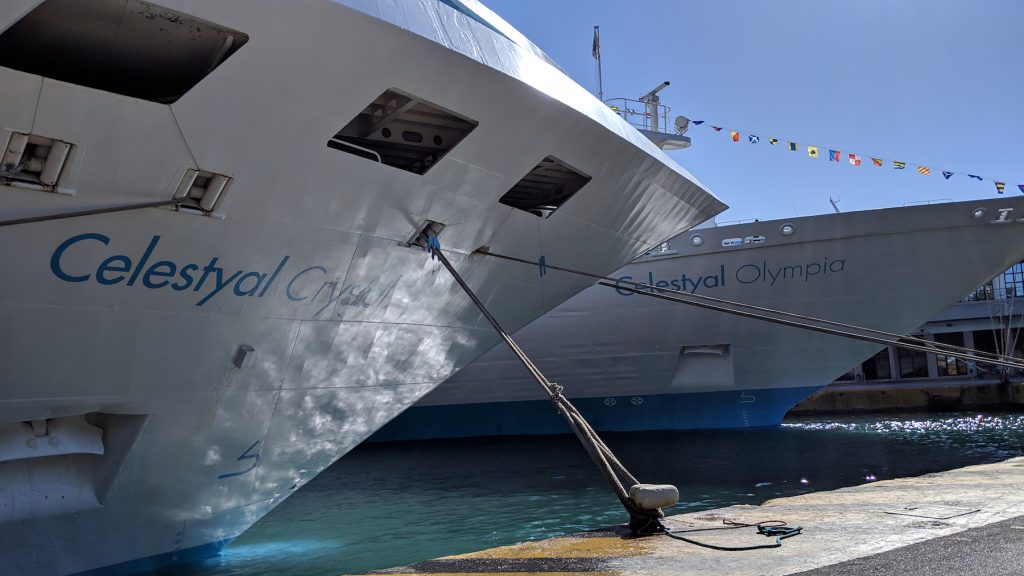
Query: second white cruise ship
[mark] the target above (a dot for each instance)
(631, 362)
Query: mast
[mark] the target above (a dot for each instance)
(596, 53)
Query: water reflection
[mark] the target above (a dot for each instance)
(384, 505)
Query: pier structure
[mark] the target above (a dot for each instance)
(964, 521)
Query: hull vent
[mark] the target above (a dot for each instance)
(545, 188)
(127, 47)
(402, 131)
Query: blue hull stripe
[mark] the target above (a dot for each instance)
(732, 409)
(151, 563)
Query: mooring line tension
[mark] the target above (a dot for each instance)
(799, 320)
(90, 212)
(643, 502)
(824, 330)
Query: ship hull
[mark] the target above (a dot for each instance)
(636, 363)
(169, 376)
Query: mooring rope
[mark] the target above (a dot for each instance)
(90, 212)
(777, 528)
(611, 468)
(799, 320)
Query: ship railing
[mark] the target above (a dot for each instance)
(740, 221)
(642, 115)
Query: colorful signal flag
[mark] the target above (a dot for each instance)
(877, 162)
(833, 155)
(735, 136)
(947, 175)
(896, 164)
(773, 141)
(1000, 187)
(924, 170)
(975, 177)
(812, 151)
(793, 146)
(753, 139)
(854, 159)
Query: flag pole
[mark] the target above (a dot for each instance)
(597, 54)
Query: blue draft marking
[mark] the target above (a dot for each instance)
(543, 263)
(245, 456)
(149, 564)
(697, 410)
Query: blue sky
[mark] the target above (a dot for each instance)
(932, 82)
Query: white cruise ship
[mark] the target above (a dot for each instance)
(211, 289)
(631, 362)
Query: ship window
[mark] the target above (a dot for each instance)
(402, 131)
(132, 48)
(545, 188)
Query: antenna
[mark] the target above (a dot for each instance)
(652, 96)
(596, 52)
(835, 204)
(653, 103)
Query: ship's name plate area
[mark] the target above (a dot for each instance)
(763, 272)
(301, 284)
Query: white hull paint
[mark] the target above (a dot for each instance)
(636, 363)
(347, 327)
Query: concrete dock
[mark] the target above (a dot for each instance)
(965, 521)
(926, 395)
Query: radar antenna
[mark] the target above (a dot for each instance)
(652, 101)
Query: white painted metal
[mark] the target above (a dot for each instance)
(890, 269)
(346, 326)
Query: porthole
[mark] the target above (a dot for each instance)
(386, 132)
(787, 230)
(696, 240)
(979, 213)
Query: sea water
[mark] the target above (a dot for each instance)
(385, 505)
